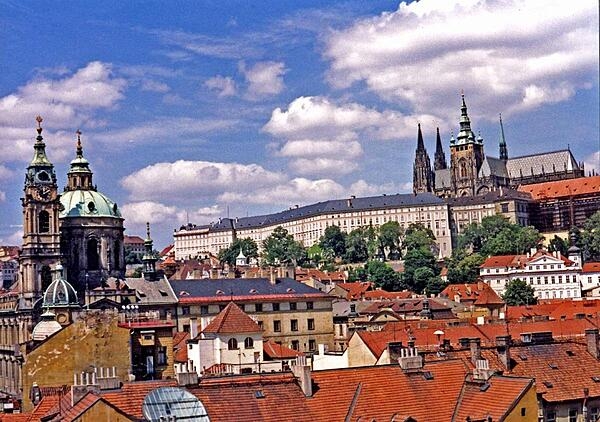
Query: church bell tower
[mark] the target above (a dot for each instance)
(41, 236)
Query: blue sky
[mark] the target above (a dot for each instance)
(195, 110)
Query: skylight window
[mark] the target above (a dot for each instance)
(553, 366)
(548, 384)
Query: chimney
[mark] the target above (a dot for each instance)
(503, 349)
(482, 371)
(193, 327)
(301, 370)
(107, 380)
(83, 384)
(272, 276)
(214, 273)
(186, 374)
(410, 359)
(475, 344)
(591, 337)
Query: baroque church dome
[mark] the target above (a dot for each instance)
(59, 293)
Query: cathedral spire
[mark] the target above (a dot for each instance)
(39, 156)
(439, 162)
(466, 134)
(503, 148)
(79, 176)
(422, 174)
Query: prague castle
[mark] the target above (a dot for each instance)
(471, 172)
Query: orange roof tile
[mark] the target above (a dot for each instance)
(591, 267)
(383, 294)
(478, 293)
(278, 351)
(563, 188)
(232, 320)
(130, 397)
(355, 290)
(180, 346)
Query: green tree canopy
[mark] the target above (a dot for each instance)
(518, 292)
(248, 247)
(435, 285)
(389, 237)
(356, 246)
(496, 235)
(334, 239)
(590, 237)
(463, 268)
(418, 259)
(383, 276)
(418, 236)
(558, 244)
(281, 248)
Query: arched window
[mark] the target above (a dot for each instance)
(44, 222)
(232, 344)
(117, 254)
(463, 170)
(92, 255)
(248, 343)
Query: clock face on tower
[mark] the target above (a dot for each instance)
(43, 193)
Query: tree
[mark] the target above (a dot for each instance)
(518, 292)
(389, 238)
(356, 247)
(496, 235)
(248, 247)
(335, 240)
(418, 236)
(590, 237)
(383, 276)
(558, 244)
(463, 268)
(435, 286)
(281, 248)
(414, 260)
(132, 258)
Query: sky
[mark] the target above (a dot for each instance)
(195, 110)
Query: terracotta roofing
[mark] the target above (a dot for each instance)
(563, 188)
(383, 294)
(409, 306)
(303, 274)
(277, 351)
(355, 290)
(232, 320)
(591, 267)
(556, 309)
(130, 397)
(128, 240)
(166, 250)
(477, 293)
(242, 289)
(519, 261)
(562, 370)
(180, 346)
(495, 398)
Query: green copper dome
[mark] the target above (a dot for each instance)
(87, 203)
(59, 292)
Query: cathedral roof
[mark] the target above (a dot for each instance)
(492, 166)
(442, 178)
(543, 163)
(87, 203)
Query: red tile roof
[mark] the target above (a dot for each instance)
(277, 351)
(355, 290)
(180, 346)
(130, 397)
(591, 267)
(383, 294)
(519, 261)
(477, 293)
(559, 309)
(232, 320)
(563, 188)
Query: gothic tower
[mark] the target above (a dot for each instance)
(466, 157)
(149, 259)
(41, 235)
(439, 162)
(422, 174)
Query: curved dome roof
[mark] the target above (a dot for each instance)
(59, 293)
(87, 203)
(46, 327)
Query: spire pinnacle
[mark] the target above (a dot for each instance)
(79, 147)
(439, 162)
(39, 121)
(503, 148)
(420, 143)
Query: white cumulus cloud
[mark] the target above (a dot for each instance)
(507, 55)
(223, 85)
(592, 163)
(264, 78)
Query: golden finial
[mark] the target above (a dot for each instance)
(39, 121)
(79, 148)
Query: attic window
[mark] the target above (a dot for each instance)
(548, 384)
(219, 292)
(290, 290)
(163, 293)
(553, 365)
(184, 293)
(141, 294)
(485, 387)
(259, 394)
(254, 291)
(523, 357)
(427, 375)
(570, 353)
(596, 379)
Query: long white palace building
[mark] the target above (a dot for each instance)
(308, 223)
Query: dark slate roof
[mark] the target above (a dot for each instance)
(493, 167)
(326, 207)
(227, 288)
(550, 161)
(152, 292)
(497, 195)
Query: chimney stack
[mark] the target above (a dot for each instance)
(475, 344)
(301, 370)
(272, 276)
(591, 337)
(193, 327)
(503, 349)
